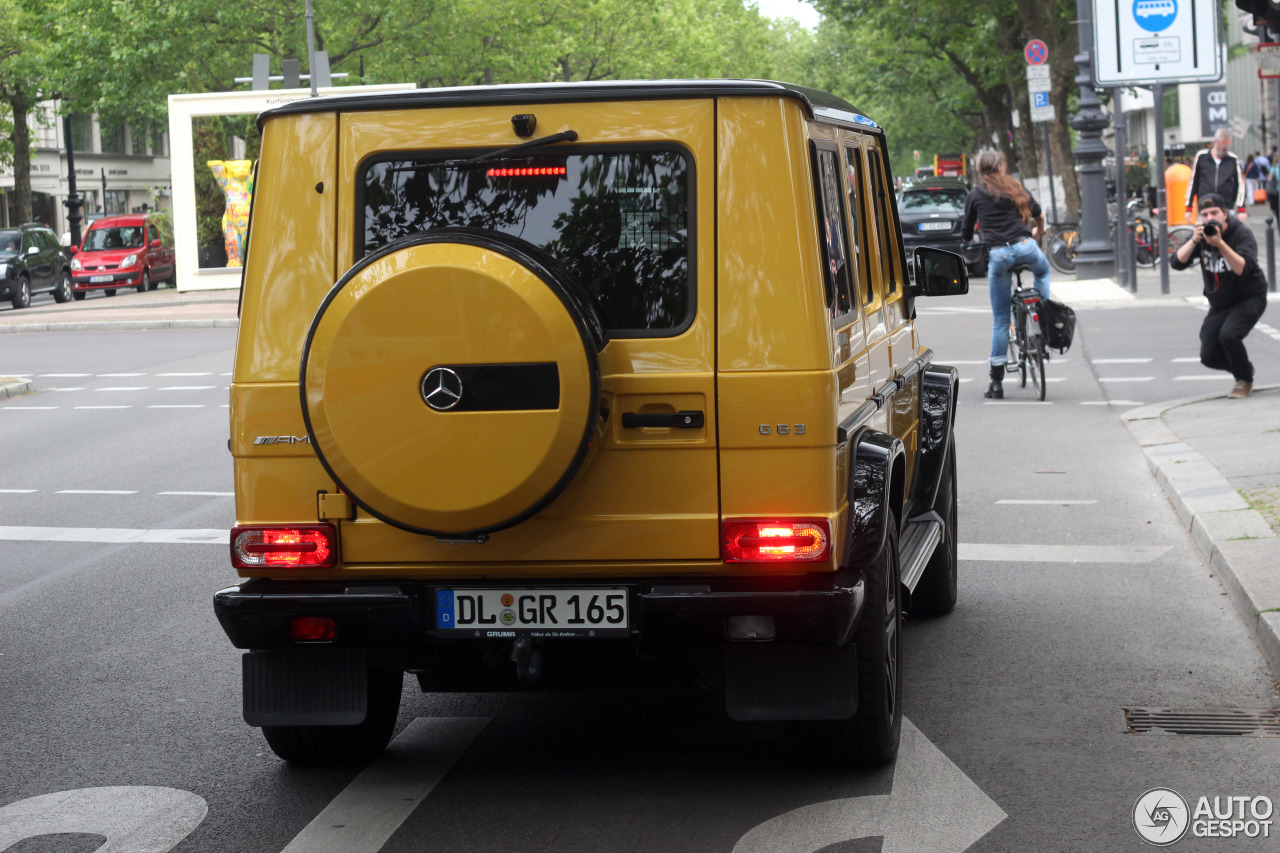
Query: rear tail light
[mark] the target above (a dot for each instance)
(312, 629)
(298, 546)
(786, 540)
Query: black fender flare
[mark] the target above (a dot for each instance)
(938, 391)
(875, 459)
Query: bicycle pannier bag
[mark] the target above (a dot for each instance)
(1059, 324)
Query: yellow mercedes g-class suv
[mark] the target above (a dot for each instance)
(543, 380)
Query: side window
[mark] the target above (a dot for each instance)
(886, 220)
(856, 213)
(832, 236)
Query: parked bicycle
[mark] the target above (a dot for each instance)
(1062, 241)
(1027, 350)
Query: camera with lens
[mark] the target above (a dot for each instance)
(1211, 229)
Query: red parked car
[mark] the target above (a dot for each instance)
(121, 251)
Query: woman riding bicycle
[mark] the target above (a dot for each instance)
(1004, 212)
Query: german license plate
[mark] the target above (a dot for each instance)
(533, 612)
(935, 226)
(96, 278)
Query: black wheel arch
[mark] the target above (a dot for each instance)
(939, 384)
(876, 489)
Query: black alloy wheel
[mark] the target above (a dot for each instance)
(21, 293)
(62, 292)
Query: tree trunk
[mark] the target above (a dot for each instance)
(1064, 162)
(19, 104)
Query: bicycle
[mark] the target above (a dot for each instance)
(1027, 350)
(1062, 241)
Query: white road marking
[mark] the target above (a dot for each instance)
(1120, 361)
(17, 491)
(116, 535)
(29, 408)
(1216, 377)
(81, 388)
(134, 819)
(1018, 403)
(369, 810)
(1195, 359)
(189, 388)
(1040, 502)
(64, 375)
(125, 388)
(933, 805)
(1061, 553)
(177, 406)
(104, 407)
(966, 379)
(1111, 402)
(224, 374)
(952, 361)
(1125, 378)
(206, 373)
(96, 492)
(201, 494)
(119, 375)
(1055, 379)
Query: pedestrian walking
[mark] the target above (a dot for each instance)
(1234, 284)
(1251, 176)
(1216, 170)
(1011, 222)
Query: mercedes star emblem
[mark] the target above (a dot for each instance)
(441, 388)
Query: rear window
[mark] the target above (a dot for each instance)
(125, 237)
(618, 220)
(933, 201)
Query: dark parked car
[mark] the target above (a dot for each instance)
(32, 261)
(931, 213)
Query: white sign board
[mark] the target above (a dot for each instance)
(1143, 42)
(1038, 87)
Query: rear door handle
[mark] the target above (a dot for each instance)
(677, 420)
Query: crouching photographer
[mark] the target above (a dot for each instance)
(1234, 285)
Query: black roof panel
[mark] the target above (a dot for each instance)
(817, 103)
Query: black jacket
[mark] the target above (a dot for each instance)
(1222, 287)
(998, 218)
(1225, 178)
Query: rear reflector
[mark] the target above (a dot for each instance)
(776, 540)
(311, 629)
(301, 546)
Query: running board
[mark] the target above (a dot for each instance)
(920, 536)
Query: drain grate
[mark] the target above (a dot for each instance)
(1240, 722)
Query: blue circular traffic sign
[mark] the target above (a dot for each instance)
(1036, 52)
(1155, 16)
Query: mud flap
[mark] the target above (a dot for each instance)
(306, 686)
(770, 682)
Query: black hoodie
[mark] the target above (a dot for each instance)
(1222, 287)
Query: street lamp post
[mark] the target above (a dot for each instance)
(73, 202)
(1094, 257)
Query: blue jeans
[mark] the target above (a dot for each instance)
(1001, 259)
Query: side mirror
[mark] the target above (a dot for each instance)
(33, 250)
(939, 273)
(155, 244)
(71, 250)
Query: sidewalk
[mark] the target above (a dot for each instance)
(1219, 462)
(159, 309)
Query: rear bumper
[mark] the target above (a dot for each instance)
(810, 609)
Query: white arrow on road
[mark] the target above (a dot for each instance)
(933, 806)
(134, 819)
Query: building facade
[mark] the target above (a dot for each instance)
(119, 169)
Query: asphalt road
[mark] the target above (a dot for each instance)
(1080, 596)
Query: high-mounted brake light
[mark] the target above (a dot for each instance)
(528, 172)
(776, 540)
(299, 546)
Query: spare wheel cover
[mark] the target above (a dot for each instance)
(450, 384)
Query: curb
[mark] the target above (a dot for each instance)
(119, 325)
(16, 389)
(1236, 539)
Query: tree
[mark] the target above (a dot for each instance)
(27, 29)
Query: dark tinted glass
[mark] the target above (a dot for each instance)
(126, 237)
(834, 240)
(618, 221)
(10, 242)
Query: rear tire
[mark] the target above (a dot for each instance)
(1034, 353)
(343, 745)
(1062, 248)
(1020, 336)
(110, 291)
(62, 292)
(78, 295)
(21, 293)
(938, 589)
(870, 738)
